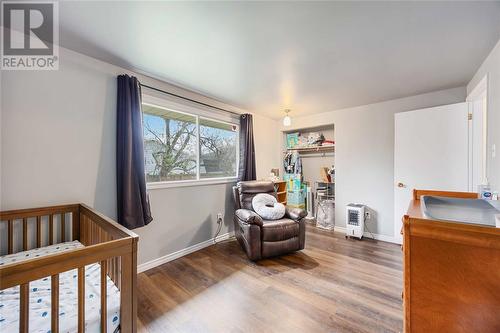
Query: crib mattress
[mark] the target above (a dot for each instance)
(39, 307)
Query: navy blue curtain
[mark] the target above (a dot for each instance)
(247, 149)
(132, 199)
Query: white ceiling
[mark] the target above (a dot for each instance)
(308, 56)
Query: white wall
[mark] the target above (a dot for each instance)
(267, 145)
(58, 146)
(491, 67)
(364, 155)
(312, 164)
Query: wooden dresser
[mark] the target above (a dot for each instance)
(281, 191)
(451, 273)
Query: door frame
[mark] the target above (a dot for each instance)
(479, 92)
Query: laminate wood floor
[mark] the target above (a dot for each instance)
(333, 285)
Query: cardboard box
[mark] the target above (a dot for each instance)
(296, 198)
(292, 139)
(293, 181)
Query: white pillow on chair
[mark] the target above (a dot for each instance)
(268, 207)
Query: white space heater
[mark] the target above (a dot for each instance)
(355, 220)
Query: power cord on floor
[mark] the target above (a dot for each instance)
(366, 226)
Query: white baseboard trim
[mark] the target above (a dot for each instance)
(367, 234)
(193, 248)
(177, 254)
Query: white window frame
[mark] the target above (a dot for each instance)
(198, 113)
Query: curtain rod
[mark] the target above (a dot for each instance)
(189, 99)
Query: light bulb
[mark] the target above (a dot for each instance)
(287, 121)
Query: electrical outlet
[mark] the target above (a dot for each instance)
(220, 217)
(368, 215)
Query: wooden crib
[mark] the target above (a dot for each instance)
(105, 242)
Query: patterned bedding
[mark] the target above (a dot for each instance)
(39, 312)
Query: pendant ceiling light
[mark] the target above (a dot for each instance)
(287, 121)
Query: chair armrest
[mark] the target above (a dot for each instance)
(295, 214)
(249, 217)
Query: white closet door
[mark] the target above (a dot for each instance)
(430, 152)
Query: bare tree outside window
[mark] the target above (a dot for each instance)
(170, 143)
(217, 149)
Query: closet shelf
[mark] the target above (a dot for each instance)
(321, 149)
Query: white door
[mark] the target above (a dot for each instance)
(430, 152)
(477, 142)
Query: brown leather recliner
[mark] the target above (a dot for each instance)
(265, 238)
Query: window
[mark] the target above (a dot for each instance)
(179, 146)
(217, 149)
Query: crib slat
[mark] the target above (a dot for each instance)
(54, 304)
(83, 232)
(75, 225)
(25, 234)
(24, 308)
(81, 299)
(11, 236)
(120, 261)
(91, 233)
(51, 229)
(38, 231)
(104, 305)
(63, 227)
(115, 268)
(108, 269)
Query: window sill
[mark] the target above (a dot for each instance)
(188, 183)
